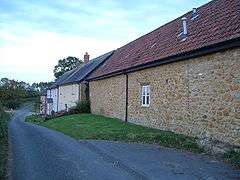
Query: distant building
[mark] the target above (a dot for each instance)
(75, 88)
(53, 93)
(71, 87)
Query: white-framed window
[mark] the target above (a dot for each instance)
(146, 95)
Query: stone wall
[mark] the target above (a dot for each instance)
(108, 97)
(83, 91)
(68, 94)
(214, 96)
(168, 108)
(198, 97)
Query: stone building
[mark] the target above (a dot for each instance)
(182, 77)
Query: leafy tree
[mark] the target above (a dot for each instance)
(41, 86)
(65, 65)
(13, 93)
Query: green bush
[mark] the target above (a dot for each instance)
(1, 107)
(12, 103)
(34, 119)
(234, 157)
(55, 115)
(72, 110)
(4, 117)
(83, 107)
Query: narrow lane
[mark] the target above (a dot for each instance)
(39, 153)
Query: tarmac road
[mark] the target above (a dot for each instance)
(38, 153)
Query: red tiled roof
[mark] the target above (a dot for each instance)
(218, 21)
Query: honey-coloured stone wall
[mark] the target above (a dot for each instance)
(199, 97)
(108, 97)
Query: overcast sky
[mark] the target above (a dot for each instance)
(35, 34)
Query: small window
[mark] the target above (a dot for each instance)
(146, 95)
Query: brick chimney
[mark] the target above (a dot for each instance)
(86, 58)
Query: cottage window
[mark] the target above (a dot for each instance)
(146, 95)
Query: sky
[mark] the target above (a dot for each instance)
(35, 34)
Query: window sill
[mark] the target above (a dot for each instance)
(145, 106)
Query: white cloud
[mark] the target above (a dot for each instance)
(39, 52)
(34, 35)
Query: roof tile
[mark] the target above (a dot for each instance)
(218, 21)
(83, 71)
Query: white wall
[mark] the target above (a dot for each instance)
(49, 106)
(52, 93)
(68, 95)
(54, 96)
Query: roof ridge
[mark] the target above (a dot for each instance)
(217, 23)
(76, 70)
(86, 69)
(94, 59)
(179, 17)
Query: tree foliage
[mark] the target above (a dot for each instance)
(13, 93)
(65, 65)
(41, 86)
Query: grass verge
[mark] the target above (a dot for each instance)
(4, 117)
(88, 126)
(233, 157)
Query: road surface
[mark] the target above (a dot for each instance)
(38, 153)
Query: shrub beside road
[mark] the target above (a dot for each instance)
(4, 118)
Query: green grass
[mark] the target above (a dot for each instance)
(4, 117)
(88, 126)
(233, 157)
(3, 124)
(35, 119)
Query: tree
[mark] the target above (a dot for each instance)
(41, 86)
(65, 65)
(13, 93)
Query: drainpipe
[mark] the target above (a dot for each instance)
(79, 91)
(49, 103)
(57, 97)
(126, 110)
